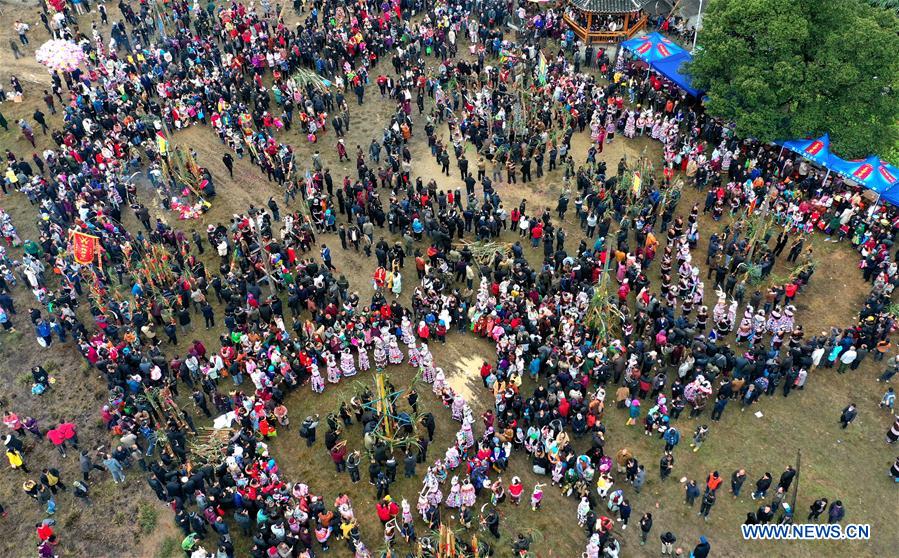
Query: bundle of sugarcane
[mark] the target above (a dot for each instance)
(162, 440)
(758, 226)
(209, 446)
(483, 251)
(752, 272)
(776, 279)
(186, 171)
(807, 264)
(96, 293)
(671, 195)
(161, 401)
(305, 77)
(447, 545)
(602, 315)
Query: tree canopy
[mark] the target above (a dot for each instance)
(885, 4)
(783, 69)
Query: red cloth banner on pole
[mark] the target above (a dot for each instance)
(85, 247)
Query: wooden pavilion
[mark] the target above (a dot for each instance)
(606, 21)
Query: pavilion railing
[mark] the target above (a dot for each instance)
(606, 36)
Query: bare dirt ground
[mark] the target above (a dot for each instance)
(849, 465)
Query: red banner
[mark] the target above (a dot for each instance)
(815, 147)
(84, 247)
(863, 172)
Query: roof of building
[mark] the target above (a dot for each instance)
(608, 6)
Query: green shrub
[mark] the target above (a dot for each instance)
(147, 517)
(169, 548)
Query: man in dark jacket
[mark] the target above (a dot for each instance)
(307, 430)
(702, 549)
(761, 486)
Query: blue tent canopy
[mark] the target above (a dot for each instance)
(653, 47)
(891, 196)
(815, 150)
(889, 172)
(872, 173)
(673, 69)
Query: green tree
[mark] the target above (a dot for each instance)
(885, 4)
(781, 69)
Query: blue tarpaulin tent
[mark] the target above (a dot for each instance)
(653, 47)
(673, 69)
(891, 196)
(872, 173)
(815, 150)
(665, 57)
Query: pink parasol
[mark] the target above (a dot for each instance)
(57, 54)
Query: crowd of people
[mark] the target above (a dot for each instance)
(289, 321)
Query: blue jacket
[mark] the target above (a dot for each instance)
(672, 436)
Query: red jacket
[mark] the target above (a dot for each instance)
(338, 453)
(790, 289)
(56, 437)
(387, 511)
(67, 429)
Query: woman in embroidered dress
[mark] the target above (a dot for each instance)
(744, 331)
(558, 473)
(435, 496)
(318, 383)
(650, 123)
(408, 332)
(466, 435)
(629, 126)
(656, 128)
(439, 381)
(347, 363)
(364, 363)
(537, 496)
(406, 512)
(427, 364)
(458, 408)
(454, 498)
(787, 321)
(469, 495)
(641, 122)
(773, 322)
(414, 358)
(758, 325)
(422, 505)
(593, 547)
(380, 353)
(451, 459)
(394, 354)
(333, 370)
(595, 126)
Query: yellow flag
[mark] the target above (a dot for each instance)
(162, 143)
